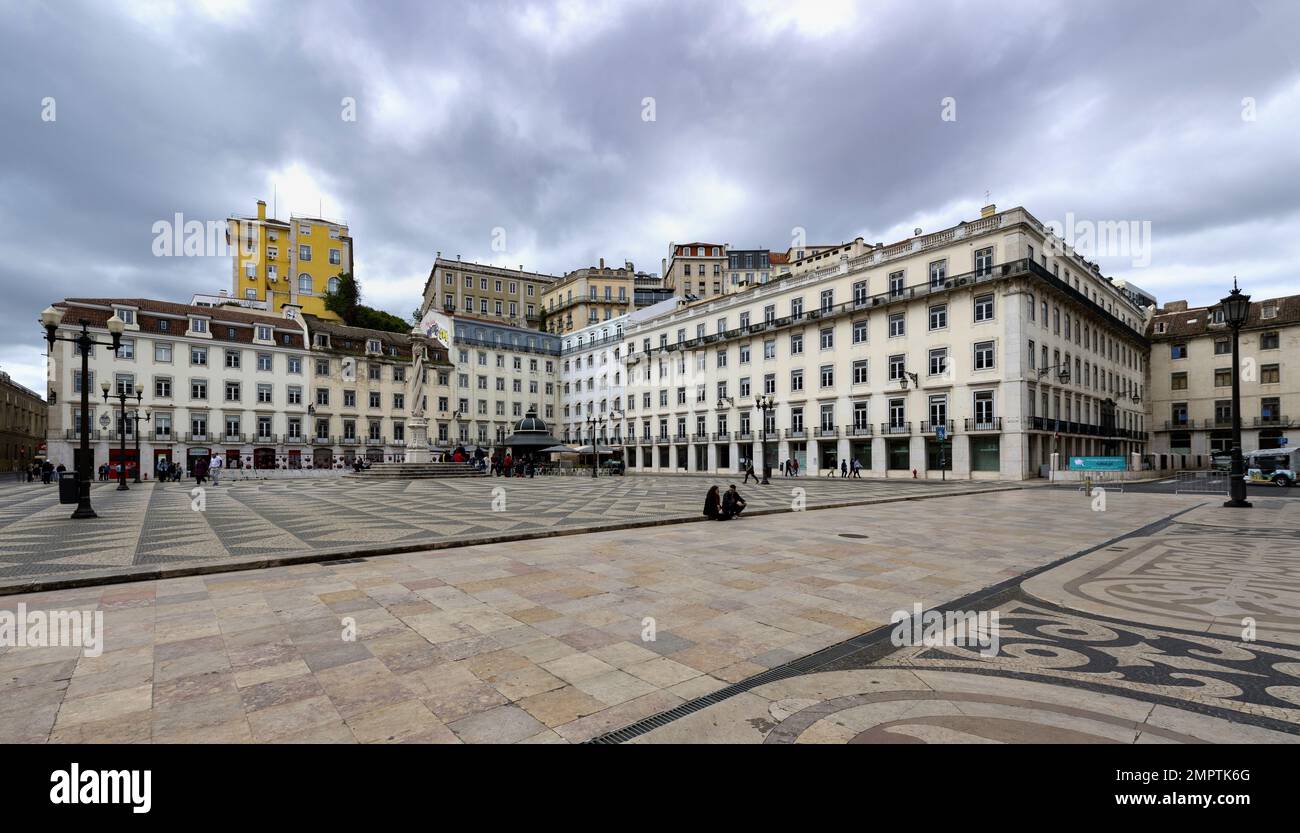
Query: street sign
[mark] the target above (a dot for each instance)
(1098, 464)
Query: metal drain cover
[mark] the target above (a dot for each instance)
(851, 535)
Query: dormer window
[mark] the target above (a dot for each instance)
(1268, 310)
(127, 315)
(198, 325)
(264, 333)
(373, 346)
(322, 340)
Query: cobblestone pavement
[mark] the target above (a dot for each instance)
(1141, 641)
(559, 639)
(156, 525)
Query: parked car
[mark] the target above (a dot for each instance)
(614, 466)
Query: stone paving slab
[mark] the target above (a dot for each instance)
(538, 641)
(1138, 641)
(163, 530)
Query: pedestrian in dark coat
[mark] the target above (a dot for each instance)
(712, 504)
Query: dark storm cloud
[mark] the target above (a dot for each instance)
(527, 118)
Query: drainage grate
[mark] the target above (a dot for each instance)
(851, 535)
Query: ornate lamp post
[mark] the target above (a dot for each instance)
(136, 419)
(83, 464)
(592, 424)
(1236, 309)
(765, 403)
(122, 396)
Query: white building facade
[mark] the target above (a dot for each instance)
(989, 334)
(246, 385)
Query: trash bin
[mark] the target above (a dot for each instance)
(68, 487)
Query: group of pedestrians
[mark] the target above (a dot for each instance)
(510, 466)
(169, 472)
(206, 467)
(848, 468)
(44, 470)
(723, 506)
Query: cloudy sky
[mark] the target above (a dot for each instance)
(840, 118)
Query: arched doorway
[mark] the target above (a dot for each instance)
(322, 458)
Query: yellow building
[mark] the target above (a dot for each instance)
(283, 262)
(586, 296)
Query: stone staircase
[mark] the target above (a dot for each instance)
(412, 471)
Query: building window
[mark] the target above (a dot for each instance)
(984, 309)
(939, 316)
(897, 325)
(1270, 374)
(984, 355)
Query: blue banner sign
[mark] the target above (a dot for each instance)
(1098, 464)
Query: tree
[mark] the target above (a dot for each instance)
(345, 302)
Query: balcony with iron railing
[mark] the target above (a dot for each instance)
(1217, 422)
(319, 440)
(383, 441)
(232, 439)
(824, 432)
(1272, 421)
(1001, 271)
(350, 441)
(796, 434)
(975, 425)
(722, 436)
(73, 434)
(265, 439)
(895, 428)
(928, 427)
(858, 430)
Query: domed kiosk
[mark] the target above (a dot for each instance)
(530, 437)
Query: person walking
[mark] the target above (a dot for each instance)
(844, 468)
(214, 469)
(856, 468)
(749, 472)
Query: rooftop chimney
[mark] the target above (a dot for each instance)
(1175, 306)
(261, 209)
(602, 264)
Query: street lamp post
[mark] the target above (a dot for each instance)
(135, 420)
(765, 404)
(50, 320)
(122, 396)
(592, 424)
(1236, 309)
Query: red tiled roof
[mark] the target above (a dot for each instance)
(1197, 320)
(97, 311)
